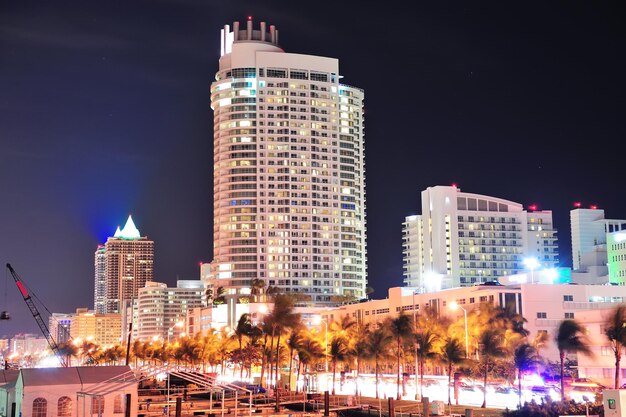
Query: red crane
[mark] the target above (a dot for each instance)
(35, 312)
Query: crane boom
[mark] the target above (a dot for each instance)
(35, 312)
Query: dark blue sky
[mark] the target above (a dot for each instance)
(104, 112)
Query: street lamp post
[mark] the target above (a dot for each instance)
(415, 331)
(532, 264)
(453, 306)
(326, 341)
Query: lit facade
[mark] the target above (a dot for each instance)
(158, 308)
(544, 306)
(122, 266)
(289, 171)
(589, 231)
(463, 239)
(616, 257)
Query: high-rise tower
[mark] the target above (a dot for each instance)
(462, 239)
(122, 266)
(289, 171)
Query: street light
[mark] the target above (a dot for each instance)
(454, 305)
(177, 324)
(532, 263)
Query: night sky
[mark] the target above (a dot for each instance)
(104, 112)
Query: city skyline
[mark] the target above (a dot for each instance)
(106, 114)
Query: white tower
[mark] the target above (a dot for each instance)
(289, 172)
(462, 239)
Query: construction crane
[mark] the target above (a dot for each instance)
(35, 312)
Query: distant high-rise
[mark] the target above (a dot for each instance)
(122, 266)
(462, 239)
(289, 172)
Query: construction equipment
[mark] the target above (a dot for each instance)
(35, 312)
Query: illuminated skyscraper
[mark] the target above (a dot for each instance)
(122, 266)
(289, 172)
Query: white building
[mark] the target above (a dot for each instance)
(461, 239)
(122, 266)
(75, 392)
(289, 171)
(589, 231)
(159, 309)
(544, 306)
(616, 257)
(203, 320)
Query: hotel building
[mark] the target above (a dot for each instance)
(463, 239)
(590, 234)
(289, 172)
(160, 311)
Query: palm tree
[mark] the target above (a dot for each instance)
(379, 340)
(525, 357)
(282, 318)
(293, 343)
(360, 350)
(401, 328)
(309, 352)
(338, 353)
(69, 350)
(492, 347)
(570, 338)
(257, 288)
(615, 331)
(425, 340)
(452, 353)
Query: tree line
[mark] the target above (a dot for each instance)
(498, 347)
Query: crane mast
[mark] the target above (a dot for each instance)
(35, 312)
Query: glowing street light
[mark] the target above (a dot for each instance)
(454, 305)
(532, 263)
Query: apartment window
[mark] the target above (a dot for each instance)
(606, 351)
(568, 298)
(569, 315)
(541, 315)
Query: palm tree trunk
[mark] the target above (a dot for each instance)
(398, 396)
(519, 386)
(356, 379)
(376, 370)
(421, 365)
(263, 360)
(485, 385)
(298, 374)
(290, 365)
(618, 357)
(277, 359)
(449, 381)
(334, 367)
(562, 358)
(277, 408)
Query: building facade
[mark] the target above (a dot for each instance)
(544, 306)
(122, 266)
(160, 312)
(289, 171)
(589, 230)
(616, 257)
(463, 239)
